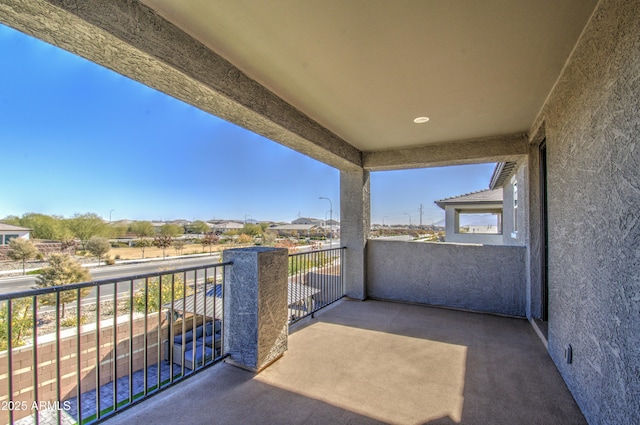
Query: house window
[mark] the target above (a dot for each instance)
(7, 238)
(482, 222)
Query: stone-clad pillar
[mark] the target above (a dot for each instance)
(355, 219)
(255, 306)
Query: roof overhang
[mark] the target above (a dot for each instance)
(339, 81)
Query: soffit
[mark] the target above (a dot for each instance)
(364, 69)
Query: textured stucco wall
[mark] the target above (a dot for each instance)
(592, 127)
(508, 217)
(355, 222)
(255, 306)
(474, 277)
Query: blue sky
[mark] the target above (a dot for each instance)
(75, 137)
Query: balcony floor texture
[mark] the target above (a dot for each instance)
(379, 362)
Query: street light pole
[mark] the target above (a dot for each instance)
(330, 220)
(110, 215)
(409, 218)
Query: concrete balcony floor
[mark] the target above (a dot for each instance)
(378, 362)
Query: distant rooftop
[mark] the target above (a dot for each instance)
(487, 196)
(10, 227)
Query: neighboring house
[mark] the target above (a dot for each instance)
(8, 232)
(298, 229)
(157, 225)
(307, 220)
(489, 216)
(474, 217)
(506, 176)
(225, 226)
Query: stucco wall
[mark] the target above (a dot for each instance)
(592, 128)
(488, 278)
(510, 237)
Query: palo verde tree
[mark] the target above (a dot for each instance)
(171, 230)
(21, 250)
(142, 229)
(98, 247)
(62, 270)
(251, 230)
(45, 226)
(84, 226)
(198, 227)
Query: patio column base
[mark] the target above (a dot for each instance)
(255, 306)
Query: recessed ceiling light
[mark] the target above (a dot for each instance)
(421, 120)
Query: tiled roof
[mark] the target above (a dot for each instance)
(486, 196)
(9, 227)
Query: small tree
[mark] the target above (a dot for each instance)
(244, 239)
(209, 240)
(178, 246)
(268, 238)
(163, 242)
(21, 322)
(98, 247)
(198, 227)
(21, 250)
(142, 244)
(62, 270)
(251, 230)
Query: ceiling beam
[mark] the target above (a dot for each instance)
(490, 149)
(131, 39)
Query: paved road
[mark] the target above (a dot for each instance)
(23, 283)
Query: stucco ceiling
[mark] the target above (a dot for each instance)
(364, 69)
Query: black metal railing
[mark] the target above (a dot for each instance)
(81, 352)
(315, 281)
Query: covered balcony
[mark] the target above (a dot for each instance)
(549, 87)
(382, 362)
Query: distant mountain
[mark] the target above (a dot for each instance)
(478, 220)
(473, 220)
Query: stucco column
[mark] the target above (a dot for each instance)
(255, 306)
(355, 225)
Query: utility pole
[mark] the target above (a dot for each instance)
(421, 208)
(330, 221)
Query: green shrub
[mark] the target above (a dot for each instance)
(72, 321)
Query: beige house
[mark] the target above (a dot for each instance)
(8, 232)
